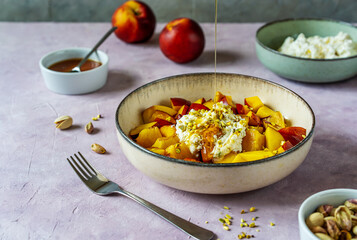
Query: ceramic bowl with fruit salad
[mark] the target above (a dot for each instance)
(220, 134)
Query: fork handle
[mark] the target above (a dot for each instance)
(186, 226)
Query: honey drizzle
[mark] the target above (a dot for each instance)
(215, 48)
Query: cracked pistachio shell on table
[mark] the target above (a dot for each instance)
(63, 122)
(98, 148)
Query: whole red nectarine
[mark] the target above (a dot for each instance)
(182, 40)
(135, 22)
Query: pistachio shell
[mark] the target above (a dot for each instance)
(63, 122)
(325, 209)
(323, 236)
(89, 128)
(318, 229)
(354, 220)
(351, 204)
(345, 235)
(98, 149)
(332, 227)
(343, 218)
(315, 219)
(354, 230)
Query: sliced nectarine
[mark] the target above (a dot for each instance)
(218, 97)
(273, 139)
(168, 131)
(182, 111)
(162, 115)
(209, 104)
(254, 120)
(276, 121)
(164, 142)
(227, 158)
(227, 100)
(147, 113)
(162, 122)
(287, 145)
(254, 102)
(177, 103)
(253, 140)
(200, 101)
(139, 128)
(293, 134)
(179, 151)
(240, 108)
(197, 106)
(148, 136)
(264, 112)
(252, 156)
(157, 150)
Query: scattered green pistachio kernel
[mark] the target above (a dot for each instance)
(225, 207)
(252, 209)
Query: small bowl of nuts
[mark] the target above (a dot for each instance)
(328, 215)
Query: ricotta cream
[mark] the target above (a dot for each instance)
(316, 47)
(191, 126)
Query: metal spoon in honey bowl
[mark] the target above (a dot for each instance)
(78, 67)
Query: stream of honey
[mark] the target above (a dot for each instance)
(215, 47)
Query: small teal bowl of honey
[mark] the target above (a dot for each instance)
(56, 70)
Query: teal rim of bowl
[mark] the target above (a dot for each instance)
(303, 19)
(180, 161)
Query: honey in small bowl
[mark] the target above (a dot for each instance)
(69, 64)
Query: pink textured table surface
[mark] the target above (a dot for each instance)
(42, 198)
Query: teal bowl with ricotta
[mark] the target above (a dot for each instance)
(271, 36)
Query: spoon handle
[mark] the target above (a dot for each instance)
(96, 46)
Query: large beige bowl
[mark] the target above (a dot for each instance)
(214, 178)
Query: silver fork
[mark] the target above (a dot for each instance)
(100, 185)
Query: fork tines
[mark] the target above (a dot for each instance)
(80, 165)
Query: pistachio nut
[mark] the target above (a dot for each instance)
(315, 219)
(97, 148)
(345, 235)
(63, 122)
(332, 213)
(323, 236)
(351, 204)
(343, 218)
(332, 227)
(354, 230)
(89, 128)
(325, 209)
(354, 220)
(318, 229)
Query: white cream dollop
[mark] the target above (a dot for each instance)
(317, 47)
(190, 127)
